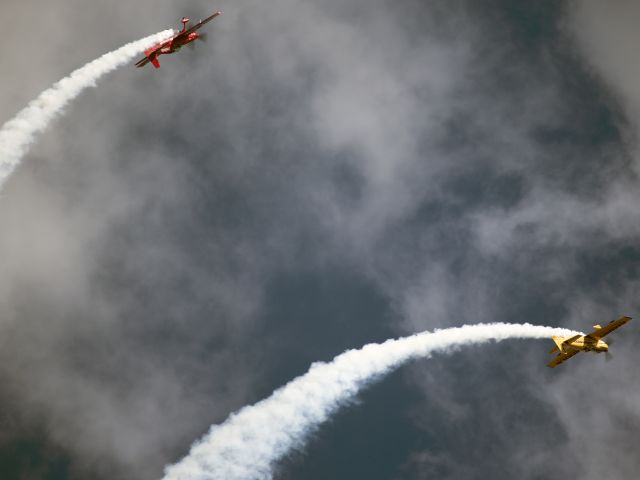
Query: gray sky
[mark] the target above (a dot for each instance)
(320, 175)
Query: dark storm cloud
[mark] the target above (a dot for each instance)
(170, 247)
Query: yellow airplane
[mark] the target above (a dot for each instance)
(570, 346)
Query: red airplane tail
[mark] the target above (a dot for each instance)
(150, 56)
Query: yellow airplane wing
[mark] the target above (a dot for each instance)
(563, 357)
(610, 327)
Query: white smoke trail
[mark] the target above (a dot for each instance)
(17, 134)
(246, 446)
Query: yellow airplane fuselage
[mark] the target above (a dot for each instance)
(583, 343)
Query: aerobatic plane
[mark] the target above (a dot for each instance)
(570, 346)
(173, 44)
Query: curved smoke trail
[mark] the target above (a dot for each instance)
(246, 446)
(17, 134)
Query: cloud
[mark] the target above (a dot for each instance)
(456, 163)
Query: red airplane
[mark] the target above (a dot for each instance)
(173, 44)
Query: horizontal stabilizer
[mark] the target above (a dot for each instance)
(563, 343)
(142, 62)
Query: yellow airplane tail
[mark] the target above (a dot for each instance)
(558, 341)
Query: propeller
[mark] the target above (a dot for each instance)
(607, 355)
(203, 37)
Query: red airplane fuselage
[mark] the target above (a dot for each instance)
(175, 43)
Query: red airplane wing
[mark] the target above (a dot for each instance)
(181, 35)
